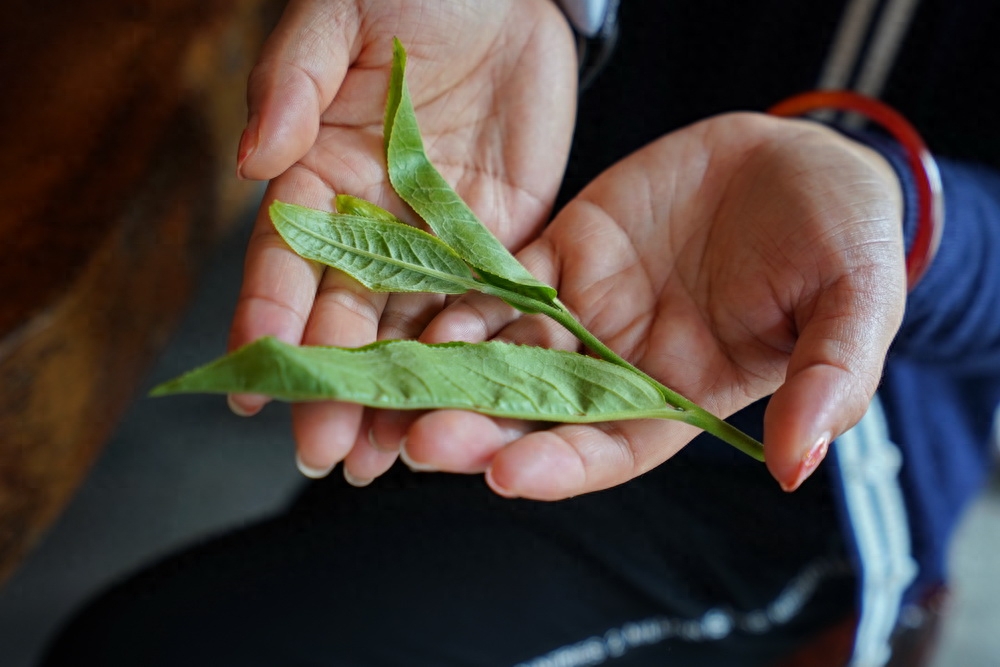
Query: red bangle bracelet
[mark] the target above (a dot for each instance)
(930, 198)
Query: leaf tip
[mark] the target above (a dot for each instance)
(162, 389)
(398, 51)
(343, 203)
(398, 61)
(278, 209)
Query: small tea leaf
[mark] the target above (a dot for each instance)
(421, 186)
(349, 205)
(383, 256)
(494, 378)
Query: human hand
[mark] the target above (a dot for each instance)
(740, 257)
(494, 88)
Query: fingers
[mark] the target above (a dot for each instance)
(300, 70)
(366, 461)
(477, 317)
(521, 461)
(389, 427)
(345, 314)
(832, 376)
(279, 287)
(404, 317)
(368, 441)
(471, 319)
(572, 459)
(804, 416)
(458, 441)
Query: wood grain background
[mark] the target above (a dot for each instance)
(118, 125)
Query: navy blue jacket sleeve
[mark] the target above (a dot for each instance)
(953, 314)
(941, 385)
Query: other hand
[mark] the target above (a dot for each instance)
(740, 257)
(494, 86)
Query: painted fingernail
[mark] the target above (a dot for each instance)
(248, 143)
(355, 481)
(309, 471)
(410, 463)
(813, 457)
(816, 453)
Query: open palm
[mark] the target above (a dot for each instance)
(741, 257)
(494, 89)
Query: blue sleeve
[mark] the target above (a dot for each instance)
(941, 386)
(953, 314)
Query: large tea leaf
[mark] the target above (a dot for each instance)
(421, 186)
(499, 379)
(385, 256)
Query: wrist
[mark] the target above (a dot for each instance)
(920, 181)
(890, 159)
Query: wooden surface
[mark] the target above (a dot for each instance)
(119, 124)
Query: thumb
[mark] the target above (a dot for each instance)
(300, 69)
(832, 376)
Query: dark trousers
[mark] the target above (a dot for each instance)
(696, 563)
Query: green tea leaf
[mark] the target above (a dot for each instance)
(349, 205)
(383, 256)
(421, 186)
(498, 379)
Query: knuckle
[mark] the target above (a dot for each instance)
(360, 304)
(397, 323)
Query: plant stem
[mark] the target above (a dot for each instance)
(688, 411)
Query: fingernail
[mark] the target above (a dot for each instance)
(248, 143)
(816, 453)
(355, 481)
(375, 443)
(497, 488)
(811, 460)
(410, 463)
(309, 471)
(238, 409)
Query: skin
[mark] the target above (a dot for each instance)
(493, 85)
(760, 255)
